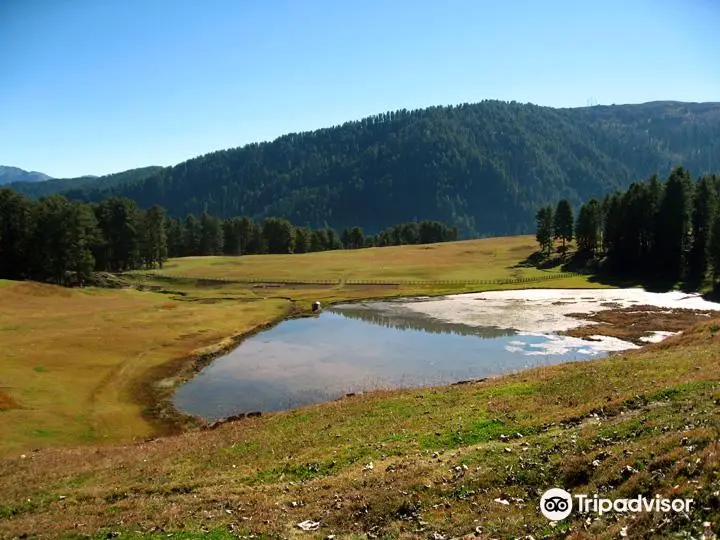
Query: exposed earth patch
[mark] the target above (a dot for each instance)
(638, 324)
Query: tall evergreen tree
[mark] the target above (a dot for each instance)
(192, 234)
(588, 230)
(302, 240)
(674, 224)
(612, 228)
(703, 216)
(232, 238)
(279, 235)
(153, 238)
(175, 240)
(333, 241)
(356, 238)
(319, 240)
(211, 235)
(118, 220)
(246, 226)
(257, 244)
(563, 222)
(545, 222)
(16, 225)
(62, 241)
(714, 247)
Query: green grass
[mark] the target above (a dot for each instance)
(429, 447)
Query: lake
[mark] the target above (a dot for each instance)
(366, 346)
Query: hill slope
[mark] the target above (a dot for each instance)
(484, 167)
(14, 174)
(77, 187)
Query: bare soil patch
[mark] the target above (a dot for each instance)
(6, 402)
(636, 322)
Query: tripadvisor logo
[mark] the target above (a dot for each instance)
(557, 504)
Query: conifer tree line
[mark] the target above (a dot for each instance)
(61, 241)
(668, 230)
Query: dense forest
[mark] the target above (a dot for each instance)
(667, 231)
(483, 167)
(78, 188)
(61, 241)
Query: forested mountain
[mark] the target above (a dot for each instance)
(484, 167)
(14, 174)
(77, 188)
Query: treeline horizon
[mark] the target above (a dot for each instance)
(657, 230)
(61, 241)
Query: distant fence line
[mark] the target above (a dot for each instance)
(282, 281)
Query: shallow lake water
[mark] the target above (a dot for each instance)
(360, 347)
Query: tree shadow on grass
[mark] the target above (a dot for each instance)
(540, 261)
(713, 295)
(650, 284)
(599, 273)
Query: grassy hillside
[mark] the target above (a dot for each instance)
(640, 423)
(79, 405)
(484, 167)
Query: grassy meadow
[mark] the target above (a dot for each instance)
(86, 446)
(82, 365)
(477, 260)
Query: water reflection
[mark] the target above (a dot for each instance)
(356, 348)
(396, 316)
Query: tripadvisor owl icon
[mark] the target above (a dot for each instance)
(556, 504)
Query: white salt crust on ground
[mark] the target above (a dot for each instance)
(543, 312)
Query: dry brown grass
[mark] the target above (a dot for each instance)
(73, 360)
(485, 259)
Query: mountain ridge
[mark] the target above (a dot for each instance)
(483, 167)
(10, 174)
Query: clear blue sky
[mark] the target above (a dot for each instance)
(100, 86)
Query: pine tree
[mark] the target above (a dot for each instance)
(191, 236)
(302, 240)
(211, 235)
(674, 224)
(153, 238)
(563, 222)
(545, 222)
(118, 220)
(703, 216)
(279, 235)
(16, 225)
(714, 247)
(357, 238)
(589, 227)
